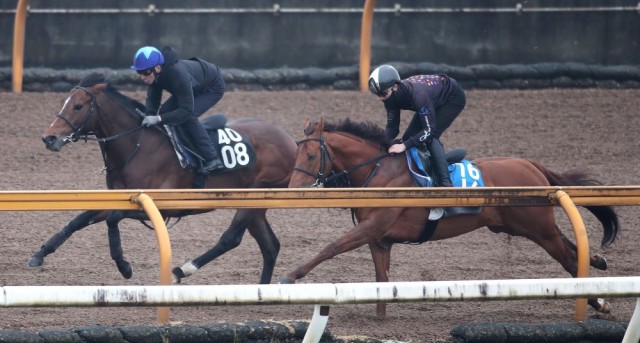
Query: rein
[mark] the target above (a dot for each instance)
(75, 135)
(324, 155)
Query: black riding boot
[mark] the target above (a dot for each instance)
(200, 138)
(212, 164)
(439, 162)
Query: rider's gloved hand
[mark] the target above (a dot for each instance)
(151, 120)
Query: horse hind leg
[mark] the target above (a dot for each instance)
(269, 244)
(81, 221)
(553, 241)
(115, 244)
(596, 261)
(229, 240)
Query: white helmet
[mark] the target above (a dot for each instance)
(383, 78)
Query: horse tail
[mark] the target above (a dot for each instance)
(605, 214)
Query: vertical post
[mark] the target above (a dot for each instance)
(632, 335)
(365, 43)
(317, 325)
(582, 243)
(163, 244)
(18, 45)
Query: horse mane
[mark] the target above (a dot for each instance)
(363, 129)
(96, 78)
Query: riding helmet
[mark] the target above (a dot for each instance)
(147, 57)
(383, 78)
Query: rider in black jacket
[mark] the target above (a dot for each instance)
(195, 86)
(436, 100)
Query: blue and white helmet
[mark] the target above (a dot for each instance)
(383, 78)
(147, 57)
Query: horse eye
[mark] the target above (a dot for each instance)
(77, 107)
(311, 157)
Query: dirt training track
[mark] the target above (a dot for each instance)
(564, 129)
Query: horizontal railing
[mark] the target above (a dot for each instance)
(30, 200)
(324, 295)
(279, 9)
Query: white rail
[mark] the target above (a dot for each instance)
(327, 294)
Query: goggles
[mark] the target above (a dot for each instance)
(145, 72)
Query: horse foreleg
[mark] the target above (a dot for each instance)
(115, 244)
(269, 245)
(356, 237)
(230, 239)
(81, 221)
(381, 255)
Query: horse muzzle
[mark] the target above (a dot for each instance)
(54, 143)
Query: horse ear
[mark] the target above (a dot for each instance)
(320, 126)
(99, 87)
(306, 124)
(309, 127)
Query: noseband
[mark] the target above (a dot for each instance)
(324, 155)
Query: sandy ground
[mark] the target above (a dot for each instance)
(564, 129)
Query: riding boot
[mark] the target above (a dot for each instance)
(200, 138)
(213, 164)
(439, 163)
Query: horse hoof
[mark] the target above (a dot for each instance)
(35, 262)
(178, 274)
(285, 280)
(601, 262)
(125, 269)
(605, 307)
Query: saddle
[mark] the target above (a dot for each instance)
(235, 151)
(463, 173)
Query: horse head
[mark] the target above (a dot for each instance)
(338, 154)
(83, 114)
(313, 160)
(77, 116)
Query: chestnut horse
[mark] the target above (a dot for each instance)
(136, 157)
(357, 151)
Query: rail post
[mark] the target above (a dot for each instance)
(18, 45)
(582, 243)
(163, 245)
(365, 43)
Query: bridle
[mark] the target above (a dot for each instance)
(322, 180)
(75, 135)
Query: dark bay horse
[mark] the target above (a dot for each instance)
(360, 149)
(143, 158)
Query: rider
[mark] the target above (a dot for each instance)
(195, 86)
(436, 99)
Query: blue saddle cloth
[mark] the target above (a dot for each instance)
(463, 173)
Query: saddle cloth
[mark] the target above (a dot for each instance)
(235, 151)
(463, 173)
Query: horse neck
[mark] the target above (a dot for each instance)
(113, 120)
(352, 153)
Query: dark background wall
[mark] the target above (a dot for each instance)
(250, 39)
